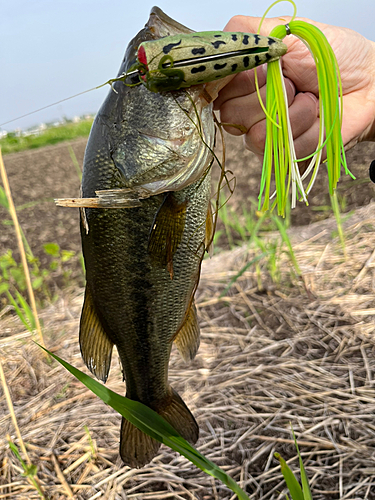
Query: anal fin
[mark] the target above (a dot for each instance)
(188, 338)
(96, 347)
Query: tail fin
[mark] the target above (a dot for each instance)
(137, 449)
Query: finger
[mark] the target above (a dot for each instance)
(246, 110)
(242, 111)
(307, 142)
(243, 84)
(303, 113)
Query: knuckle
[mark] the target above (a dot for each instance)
(256, 137)
(230, 115)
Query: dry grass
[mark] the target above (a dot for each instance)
(292, 352)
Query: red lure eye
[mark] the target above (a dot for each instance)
(143, 60)
(142, 56)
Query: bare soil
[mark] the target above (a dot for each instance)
(272, 353)
(38, 176)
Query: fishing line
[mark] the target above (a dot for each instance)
(223, 172)
(109, 82)
(50, 105)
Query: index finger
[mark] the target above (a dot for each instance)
(243, 84)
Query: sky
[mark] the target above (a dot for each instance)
(52, 49)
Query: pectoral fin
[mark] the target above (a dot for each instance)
(96, 347)
(187, 339)
(167, 231)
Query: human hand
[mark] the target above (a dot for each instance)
(238, 102)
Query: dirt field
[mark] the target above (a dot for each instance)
(37, 177)
(299, 350)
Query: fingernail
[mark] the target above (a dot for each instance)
(312, 96)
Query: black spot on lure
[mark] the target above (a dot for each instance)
(180, 61)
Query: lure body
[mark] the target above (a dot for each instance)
(180, 61)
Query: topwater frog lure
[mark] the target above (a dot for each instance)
(180, 61)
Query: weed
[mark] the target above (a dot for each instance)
(91, 443)
(30, 471)
(62, 393)
(297, 492)
(58, 259)
(247, 228)
(13, 282)
(284, 235)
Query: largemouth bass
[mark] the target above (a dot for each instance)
(143, 263)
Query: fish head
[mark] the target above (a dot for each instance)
(151, 142)
(159, 25)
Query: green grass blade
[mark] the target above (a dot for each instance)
(3, 199)
(75, 162)
(5, 204)
(149, 422)
(240, 273)
(27, 311)
(224, 216)
(286, 239)
(18, 310)
(336, 211)
(253, 237)
(14, 449)
(290, 479)
(304, 479)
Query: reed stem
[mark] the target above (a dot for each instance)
(21, 247)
